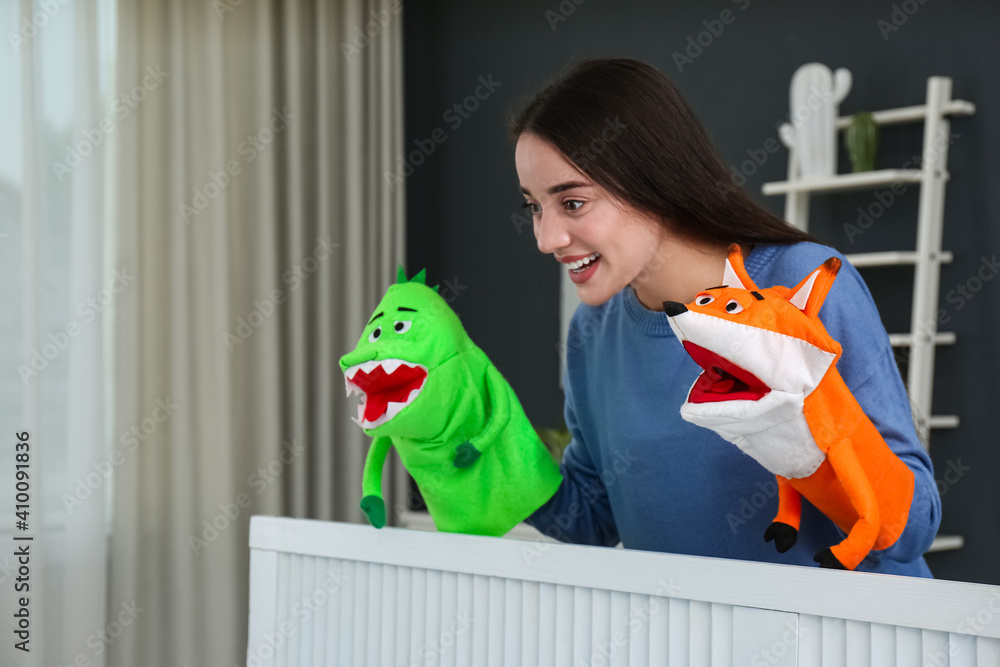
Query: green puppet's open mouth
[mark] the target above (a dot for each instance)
(386, 387)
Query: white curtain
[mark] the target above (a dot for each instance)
(57, 298)
(253, 211)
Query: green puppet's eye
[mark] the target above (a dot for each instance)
(373, 336)
(402, 326)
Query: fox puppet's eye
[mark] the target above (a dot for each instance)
(373, 336)
(733, 306)
(704, 299)
(402, 326)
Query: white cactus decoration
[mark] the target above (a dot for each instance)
(815, 96)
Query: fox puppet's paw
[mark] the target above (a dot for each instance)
(374, 509)
(825, 558)
(784, 536)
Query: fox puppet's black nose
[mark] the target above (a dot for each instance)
(674, 308)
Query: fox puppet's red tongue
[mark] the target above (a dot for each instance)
(380, 388)
(722, 380)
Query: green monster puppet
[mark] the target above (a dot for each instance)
(455, 421)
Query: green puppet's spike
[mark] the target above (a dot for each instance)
(420, 277)
(400, 275)
(436, 288)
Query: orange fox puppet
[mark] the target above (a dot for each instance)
(770, 386)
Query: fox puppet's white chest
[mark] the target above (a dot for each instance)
(776, 435)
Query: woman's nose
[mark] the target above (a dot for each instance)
(550, 233)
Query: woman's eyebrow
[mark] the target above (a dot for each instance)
(559, 188)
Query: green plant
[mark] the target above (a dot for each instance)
(861, 139)
(555, 439)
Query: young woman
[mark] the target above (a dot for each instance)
(627, 191)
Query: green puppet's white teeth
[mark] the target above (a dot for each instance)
(392, 409)
(388, 367)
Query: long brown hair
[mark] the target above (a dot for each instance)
(626, 126)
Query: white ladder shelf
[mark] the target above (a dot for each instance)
(928, 256)
(926, 259)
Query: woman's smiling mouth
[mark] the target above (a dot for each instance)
(581, 268)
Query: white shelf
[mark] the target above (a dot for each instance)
(906, 339)
(911, 114)
(944, 421)
(946, 543)
(844, 182)
(895, 258)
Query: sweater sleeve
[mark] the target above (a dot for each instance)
(869, 369)
(580, 511)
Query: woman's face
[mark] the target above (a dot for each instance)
(574, 219)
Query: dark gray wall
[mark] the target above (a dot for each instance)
(462, 196)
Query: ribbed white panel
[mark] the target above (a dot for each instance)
(600, 629)
(512, 623)
(618, 649)
(639, 619)
(565, 619)
(883, 639)
(722, 635)
(934, 649)
(335, 582)
(583, 629)
(310, 609)
(496, 642)
(390, 593)
(908, 647)
(858, 640)
(530, 621)
(548, 619)
(988, 651)
(679, 632)
(345, 635)
(659, 630)
(444, 645)
(427, 654)
(834, 638)
(404, 620)
(764, 637)
(339, 613)
(700, 626)
(961, 651)
(479, 636)
(418, 616)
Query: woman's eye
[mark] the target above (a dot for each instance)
(402, 326)
(704, 300)
(531, 208)
(373, 336)
(733, 306)
(573, 201)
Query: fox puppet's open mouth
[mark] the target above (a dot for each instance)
(386, 387)
(722, 380)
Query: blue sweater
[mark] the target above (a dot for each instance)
(636, 472)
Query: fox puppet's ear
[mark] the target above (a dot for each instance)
(736, 276)
(808, 295)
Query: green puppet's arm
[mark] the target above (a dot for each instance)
(371, 483)
(499, 393)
